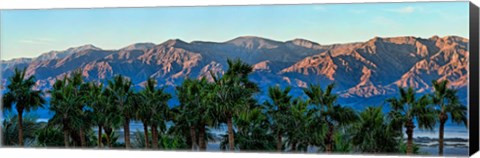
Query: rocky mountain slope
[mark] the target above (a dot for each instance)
(364, 72)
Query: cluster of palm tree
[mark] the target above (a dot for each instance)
(283, 123)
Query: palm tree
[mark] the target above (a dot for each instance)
(205, 111)
(144, 115)
(408, 108)
(374, 134)
(120, 90)
(196, 98)
(279, 110)
(329, 112)
(63, 105)
(447, 104)
(69, 98)
(253, 132)
(190, 102)
(299, 122)
(97, 102)
(232, 92)
(21, 96)
(182, 124)
(156, 99)
(80, 91)
(112, 119)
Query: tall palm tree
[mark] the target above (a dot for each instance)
(232, 92)
(408, 108)
(97, 102)
(329, 112)
(21, 96)
(69, 102)
(112, 119)
(80, 89)
(197, 97)
(120, 88)
(299, 122)
(156, 100)
(144, 114)
(447, 103)
(190, 102)
(63, 104)
(182, 124)
(206, 111)
(279, 109)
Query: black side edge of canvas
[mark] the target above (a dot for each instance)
(473, 80)
(1, 76)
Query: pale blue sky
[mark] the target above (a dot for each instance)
(28, 33)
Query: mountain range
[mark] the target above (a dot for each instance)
(365, 73)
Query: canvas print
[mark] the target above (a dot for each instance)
(371, 78)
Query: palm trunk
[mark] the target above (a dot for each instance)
(231, 138)
(188, 137)
(100, 145)
(145, 131)
(440, 139)
(108, 142)
(65, 138)
(193, 137)
(294, 146)
(108, 133)
(4, 139)
(201, 138)
(443, 119)
(410, 126)
(82, 138)
(329, 139)
(279, 141)
(154, 137)
(20, 127)
(66, 134)
(126, 129)
(75, 138)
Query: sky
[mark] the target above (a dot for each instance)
(28, 33)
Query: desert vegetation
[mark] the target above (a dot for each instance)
(89, 114)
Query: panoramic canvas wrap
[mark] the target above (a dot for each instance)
(372, 78)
